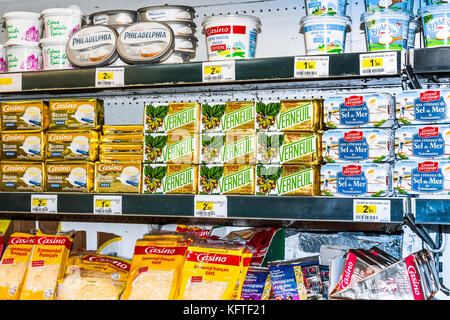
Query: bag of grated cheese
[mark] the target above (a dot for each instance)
(155, 268)
(14, 264)
(47, 265)
(245, 264)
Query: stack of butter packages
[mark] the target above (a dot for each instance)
(72, 144)
(119, 168)
(422, 143)
(171, 145)
(358, 145)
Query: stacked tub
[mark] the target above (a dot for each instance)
(434, 19)
(325, 26)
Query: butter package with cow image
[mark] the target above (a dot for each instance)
(226, 179)
(171, 117)
(169, 178)
(227, 117)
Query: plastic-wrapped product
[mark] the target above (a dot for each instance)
(287, 280)
(257, 284)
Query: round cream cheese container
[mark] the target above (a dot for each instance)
(187, 44)
(61, 22)
(119, 62)
(166, 13)
(54, 55)
(182, 28)
(145, 42)
(92, 46)
(3, 59)
(114, 17)
(177, 57)
(23, 57)
(22, 27)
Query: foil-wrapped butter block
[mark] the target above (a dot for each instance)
(118, 177)
(76, 114)
(22, 176)
(69, 177)
(227, 179)
(170, 178)
(23, 146)
(72, 145)
(24, 115)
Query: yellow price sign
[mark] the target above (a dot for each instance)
(103, 203)
(39, 202)
(372, 63)
(212, 70)
(105, 76)
(204, 206)
(6, 81)
(305, 65)
(364, 208)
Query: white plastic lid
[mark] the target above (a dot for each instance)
(385, 15)
(232, 18)
(19, 43)
(326, 19)
(21, 15)
(50, 41)
(71, 11)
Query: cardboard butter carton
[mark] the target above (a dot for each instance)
(228, 117)
(171, 148)
(23, 146)
(169, 178)
(76, 114)
(227, 179)
(24, 115)
(72, 145)
(69, 177)
(22, 176)
(228, 148)
(172, 117)
(117, 177)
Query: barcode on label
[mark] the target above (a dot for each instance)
(105, 83)
(206, 213)
(103, 210)
(39, 209)
(366, 217)
(372, 71)
(306, 73)
(218, 77)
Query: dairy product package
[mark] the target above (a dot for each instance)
(422, 177)
(171, 148)
(117, 177)
(229, 116)
(122, 138)
(257, 284)
(24, 115)
(172, 117)
(289, 115)
(76, 114)
(122, 129)
(423, 142)
(23, 146)
(289, 147)
(359, 110)
(227, 179)
(423, 106)
(356, 180)
(22, 176)
(358, 145)
(169, 178)
(288, 281)
(120, 157)
(72, 145)
(69, 176)
(120, 148)
(232, 147)
(287, 180)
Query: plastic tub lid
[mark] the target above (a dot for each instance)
(70, 11)
(323, 19)
(438, 8)
(51, 41)
(166, 7)
(232, 18)
(21, 14)
(385, 14)
(20, 43)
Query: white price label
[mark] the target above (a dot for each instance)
(219, 71)
(371, 210)
(213, 206)
(110, 77)
(44, 203)
(307, 67)
(10, 82)
(108, 205)
(378, 63)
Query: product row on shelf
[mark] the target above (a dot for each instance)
(63, 38)
(185, 262)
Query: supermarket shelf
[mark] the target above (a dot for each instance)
(432, 210)
(431, 60)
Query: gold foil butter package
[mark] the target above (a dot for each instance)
(226, 179)
(172, 117)
(76, 114)
(122, 130)
(171, 148)
(22, 176)
(72, 145)
(23, 146)
(117, 177)
(69, 177)
(229, 148)
(131, 138)
(169, 178)
(227, 117)
(24, 115)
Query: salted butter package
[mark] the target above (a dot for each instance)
(171, 148)
(423, 106)
(122, 138)
(289, 115)
(287, 180)
(120, 157)
(172, 117)
(23, 146)
(423, 142)
(69, 176)
(116, 177)
(22, 176)
(229, 148)
(120, 148)
(169, 178)
(122, 129)
(24, 115)
(422, 177)
(72, 145)
(76, 114)
(226, 117)
(357, 111)
(356, 180)
(356, 145)
(227, 179)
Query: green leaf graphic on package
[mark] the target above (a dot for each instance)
(211, 115)
(154, 146)
(209, 178)
(266, 114)
(269, 146)
(153, 177)
(267, 178)
(211, 147)
(155, 116)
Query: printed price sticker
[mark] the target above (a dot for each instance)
(213, 206)
(108, 205)
(10, 82)
(110, 77)
(307, 67)
(219, 71)
(44, 203)
(378, 63)
(371, 210)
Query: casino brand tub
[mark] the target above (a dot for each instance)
(325, 35)
(386, 30)
(391, 5)
(326, 7)
(436, 25)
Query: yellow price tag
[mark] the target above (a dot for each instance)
(6, 81)
(305, 65)
(213, 70)
(105, 76)
(371, 63)
(39, 202)
(204, 206)
(363, 208)
(103, 203)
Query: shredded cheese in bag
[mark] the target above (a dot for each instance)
(47, 266)
(14, 265)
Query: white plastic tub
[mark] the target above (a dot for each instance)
(61, 22)
(23, 57)
(22, 27)
(231, 36)
(436, 25)
(54, 55)
(325, 34)
(3, 59)
(326, 7)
